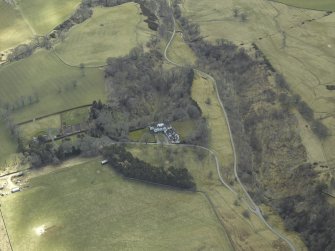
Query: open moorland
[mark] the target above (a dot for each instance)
(43, 15)
(94, 208)
(13, 28)
(110, 32)
(299, 43)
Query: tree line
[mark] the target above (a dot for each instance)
(129, 166)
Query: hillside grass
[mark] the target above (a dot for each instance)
(310, 4)
(110, 32)
(44, 75)
(94, 208)
(44, 15)
(179, 51)
(202, 90)
(13, 28)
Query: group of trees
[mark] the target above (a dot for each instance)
(145, 92)
(109, 121)
(311, 215)
(129, 166)
(21, 102)
(41, 151)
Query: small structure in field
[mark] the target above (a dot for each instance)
(104, 162)
(19, 174)
(15, 189)
(40, 230)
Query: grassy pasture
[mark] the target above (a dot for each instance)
(202, 89)
(43, 74)
(110, 32)
(184, 128)
(93, 208)
(13, 28)
(179, 52)
(44, 15)
(142, 135)
(310, 4)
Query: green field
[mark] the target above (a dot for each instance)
(184, 128)
(179, 51)
(13, 28)
(142, 135)
(44, 15)
(310, 4)
(57, 86)
(203, 89)
(95, 209)
(75, 117)
(110, 32)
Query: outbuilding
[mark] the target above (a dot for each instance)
(15, 189)
(105, 161)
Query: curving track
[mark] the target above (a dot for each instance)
(252, 206)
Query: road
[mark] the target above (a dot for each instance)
(254, 208)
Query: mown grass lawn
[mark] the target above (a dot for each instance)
(89, 207)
